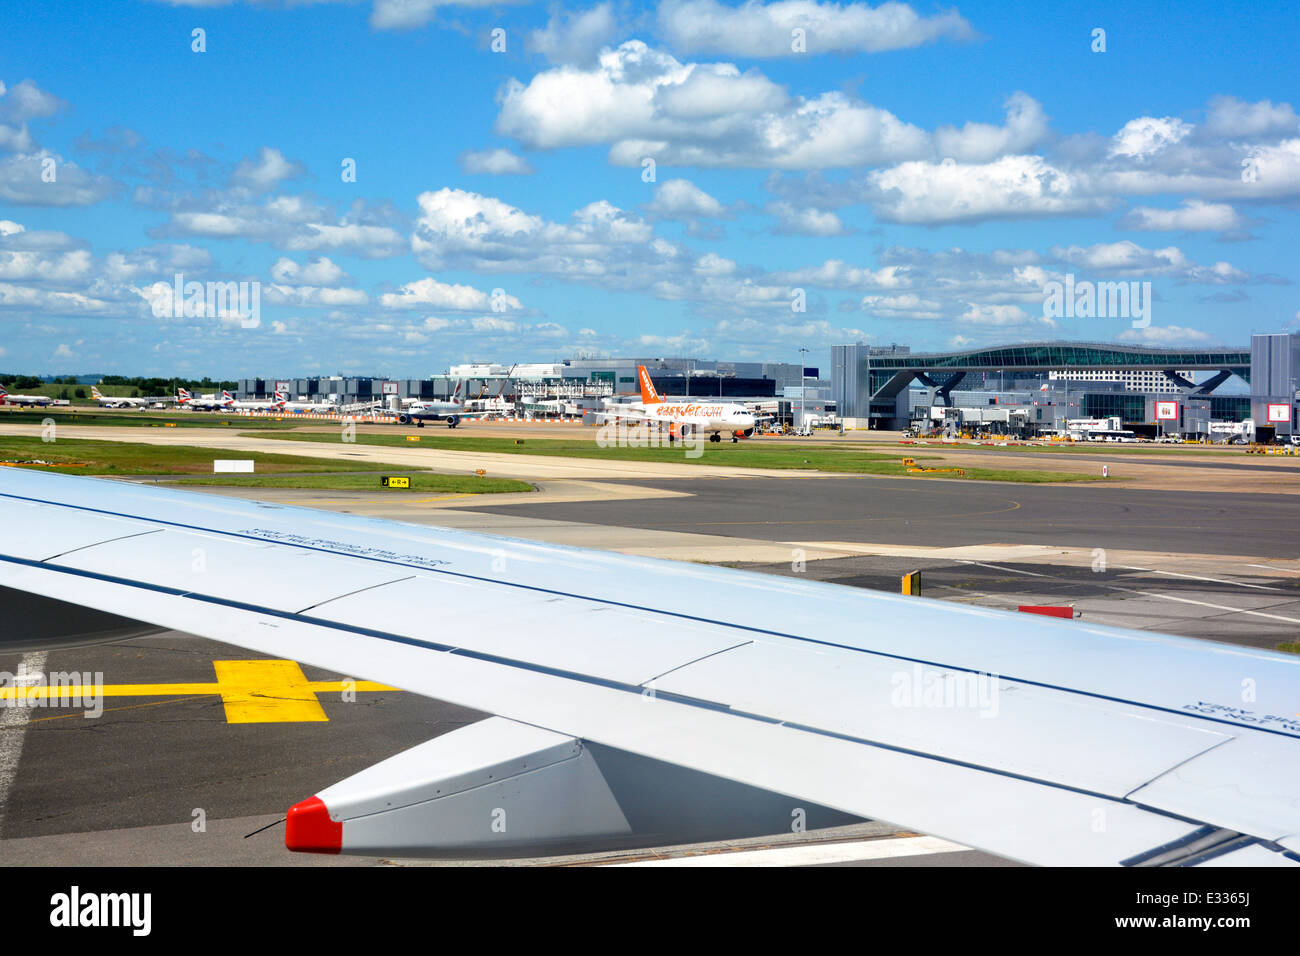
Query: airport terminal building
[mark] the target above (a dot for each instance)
(1035, 387)
(571, 379)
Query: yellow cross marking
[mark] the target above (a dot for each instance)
(253, 692)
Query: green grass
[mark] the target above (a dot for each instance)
(144, 419)
(1289, 647)
(127, 458)
(423, 483)
(847, 460)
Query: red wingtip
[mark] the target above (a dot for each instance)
(309, 828)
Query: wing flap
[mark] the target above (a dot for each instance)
(1251, 785)
(972, 717)
(38, 532)
(235, 569)
(538, 628)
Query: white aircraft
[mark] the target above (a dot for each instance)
(631, 707)
(287, 406)
(267, 405)
(203, 403)
(451, 411)
(113, 401)
(7, 399)
(714, 419)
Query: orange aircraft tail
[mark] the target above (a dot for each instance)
(648, 394)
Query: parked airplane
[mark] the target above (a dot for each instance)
(266, 405)
(7, 399)
(630, 707)
(288, 406)
(451, 412)
(203, 403)
(114, 401)
(714, 419)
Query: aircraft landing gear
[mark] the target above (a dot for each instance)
(419, 423)
(715, 437)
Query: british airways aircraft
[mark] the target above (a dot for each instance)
(118, 401)
(7, 399)
(451, 411)
(205, 403)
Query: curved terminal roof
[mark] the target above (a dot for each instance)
(1048, 356)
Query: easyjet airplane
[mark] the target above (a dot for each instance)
(688, 419)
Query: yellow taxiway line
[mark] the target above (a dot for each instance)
(253, 692)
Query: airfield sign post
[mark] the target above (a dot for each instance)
(803, 389)
(1166, 412)
(1278, 414)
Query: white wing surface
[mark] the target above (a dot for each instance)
(1051, 742)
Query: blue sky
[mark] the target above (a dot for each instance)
(915, 174)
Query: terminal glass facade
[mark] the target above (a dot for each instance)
(1059, 355)
(1129, 407)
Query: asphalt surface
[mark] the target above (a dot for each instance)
(1256, 611)
(951, 513)
(155, 759)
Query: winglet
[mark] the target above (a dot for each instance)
(310, 829)
(648, 394)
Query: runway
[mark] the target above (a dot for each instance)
(951, 513)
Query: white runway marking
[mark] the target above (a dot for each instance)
(1240, 584)
(1217, 607)
(1163, 597)
(814, 854)
(1269, 567)
(1032, 574)
(13, 727)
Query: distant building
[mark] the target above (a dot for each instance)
(877, 387)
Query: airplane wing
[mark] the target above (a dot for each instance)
(1050, 742)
